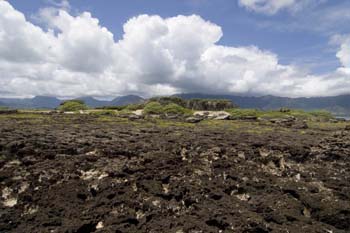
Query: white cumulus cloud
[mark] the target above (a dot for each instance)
(344, 53)
(76, 56)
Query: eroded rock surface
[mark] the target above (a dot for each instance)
(77, 174)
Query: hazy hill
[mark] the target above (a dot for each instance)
(36, 102)
(45, 102)
(94, 103)
(339, 105)
(125, 100)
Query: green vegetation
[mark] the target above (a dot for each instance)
(153, 108)
(134, 107)
(125, 112)
(3, 108)
(327, 126)
(111, 108)
(72, 105)
(242, 113)
(322, 113)
(169, 100)
(196, 104)
(282, 113)
(171, 108)
(130, 107)
(104, 112)
(209, 104)
(176, 109)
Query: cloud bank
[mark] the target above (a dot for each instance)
(76, 56)
(271, 7)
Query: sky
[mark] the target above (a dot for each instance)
(109, 48)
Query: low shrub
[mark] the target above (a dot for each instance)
(153, 108)
(175, 109)
(134, 107)
(72, 105)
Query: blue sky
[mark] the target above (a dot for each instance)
(306, 34)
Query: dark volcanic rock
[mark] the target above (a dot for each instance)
(80, 173)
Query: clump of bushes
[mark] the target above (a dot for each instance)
(72, 105)
(171, 108)
(134, 107)
(104, 113)
(175, 109)
(209, 104)
(153, 108)
(169, 100)
(196, 104)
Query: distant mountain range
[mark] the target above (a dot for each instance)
(118, 101)
(338, 105)
(31, 103)
(46, 102)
